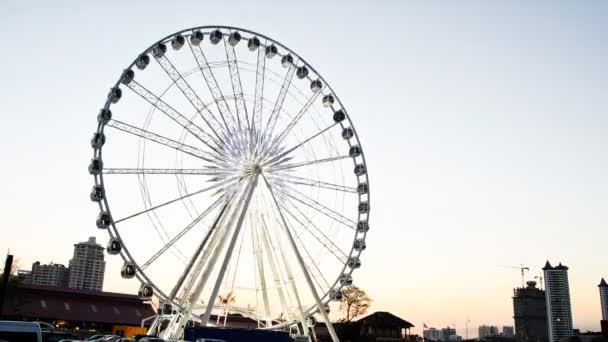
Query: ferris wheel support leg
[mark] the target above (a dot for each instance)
(260, 258)
(235, 234)
(274, 268)
(311, 286)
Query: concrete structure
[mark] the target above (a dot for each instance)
(604, 299)
(447, 333)
(507, 331)
(87, 266)
(432, 334)
(530, 314)
(487, 331)
(47, 275)
(559, 311)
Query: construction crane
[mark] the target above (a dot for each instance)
(523, 269)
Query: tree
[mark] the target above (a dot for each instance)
(355, 302)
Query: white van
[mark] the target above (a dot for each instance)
(13, 331)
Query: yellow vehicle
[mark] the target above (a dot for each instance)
(128, 330)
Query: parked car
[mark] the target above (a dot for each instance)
(14, 331)
(94, 337)
(57, 336)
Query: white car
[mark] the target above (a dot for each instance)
(13, 331)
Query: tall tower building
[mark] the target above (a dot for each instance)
(559, 311)
(604, 299)
(530, 314)
(87, 266)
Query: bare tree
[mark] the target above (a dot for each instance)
(355, 302)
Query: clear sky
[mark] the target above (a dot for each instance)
(484, 125)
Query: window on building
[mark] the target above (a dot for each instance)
(67, 306)
(93, 308)
(137, 312)
(43, 303)
(116, 311)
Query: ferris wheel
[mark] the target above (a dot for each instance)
(236, 179)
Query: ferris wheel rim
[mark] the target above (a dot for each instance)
(99, 179)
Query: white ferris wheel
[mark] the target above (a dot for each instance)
(236, 179)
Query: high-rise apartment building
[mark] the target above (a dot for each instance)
(49, 275)
(87, 266)
(604, 299)
(559, 311)
(507, 331)
(432, 334)
(530, 314)
(487, 331)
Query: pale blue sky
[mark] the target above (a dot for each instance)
(484, 125)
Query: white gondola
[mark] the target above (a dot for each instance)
(346, 280)
(127, 76)
(362, 226)
(354, 262)
(98, 140)
(145, 291)
(115, 94)
(335, 294)
(328, 100)
(359, 245)
(302, 72)
(234, 38)
(159, 50)
(177, 42)
(197, 37)
(103, 220)
(253, 43)
(339, 116)
(316, 86)
(287, 60)
(128, 270)
(360, 170)
(97, 193)
(362, 188)
(354, 151)
(95, 166)
(114, 246)
(347, 133)
(271, 51)
(363, 208)
(142, 61)
(216, 37)
(104, 116)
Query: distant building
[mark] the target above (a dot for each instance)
(559, 311)
(530, 314)
(487, 331)
(507, 331)
(432, 334)
(604, 299)
(47, 275)
(447, 333)
(87, 266)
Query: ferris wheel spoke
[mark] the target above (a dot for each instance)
(312, 266)
(214, 88)
(151, 171)
(225, 183)
(310, 162)
(278, 105)
(307, 276)
(191, 95)
(313, 204)
(173, 114)
(320, 236)
(181, 233)
(159, 139)
(276, 159)
(285, 177)
(281, 136)
(256, 120)
(237, 87)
